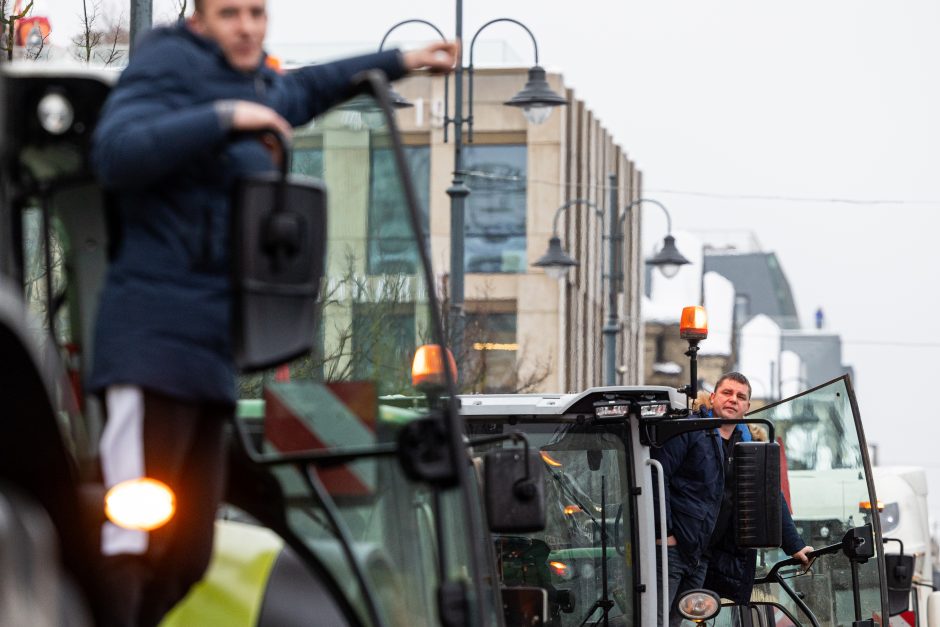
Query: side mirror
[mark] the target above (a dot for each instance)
(514, 489)
(899, 572)
(278, 246)
(757, 495)
(525, 605)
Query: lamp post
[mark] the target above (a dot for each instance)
(536, 100)
(556, 263)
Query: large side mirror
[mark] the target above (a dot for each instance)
(757, 495)
(515, 491)
(279, 241)
(899, 573)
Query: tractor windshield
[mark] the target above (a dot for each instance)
(584, 557)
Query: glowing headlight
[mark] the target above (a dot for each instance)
(55, 113)
(611, 411)
(699, 605)
(560, 569)
(142, 504)
(654, 411)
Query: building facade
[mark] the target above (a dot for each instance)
(527, 331)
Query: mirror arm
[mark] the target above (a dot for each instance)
(324, 458)
(898, 540)
(771, 577)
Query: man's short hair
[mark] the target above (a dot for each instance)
(736, 377)
(197, 5)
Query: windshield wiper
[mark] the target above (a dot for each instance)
(604, 603)
(564, 481)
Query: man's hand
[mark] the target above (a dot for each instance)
(251, 116)
(801, 555)
(438, 58)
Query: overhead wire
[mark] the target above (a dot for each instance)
(601, 187)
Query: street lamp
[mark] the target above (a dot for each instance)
(556, 263)
(668, 259)
(536, 100)
(399, 101)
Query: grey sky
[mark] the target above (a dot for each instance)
(804, 99)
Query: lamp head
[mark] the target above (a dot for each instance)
(556, 262)
(398, 101)
(668, 259)
(536, 99)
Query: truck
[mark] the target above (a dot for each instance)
(363, 490)
(903, 510)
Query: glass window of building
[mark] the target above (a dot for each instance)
(383, 345)
(391, 245)
(490, 367)
(496, 208)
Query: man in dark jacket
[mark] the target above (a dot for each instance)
(694, 480)
(731, 569)
(163, 354)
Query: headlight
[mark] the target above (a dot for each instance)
(611, 411)
(142, 504)
(890, 517)
(55, 113)
(654, 411)
(699, 605)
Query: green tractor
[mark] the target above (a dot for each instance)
(352, 498)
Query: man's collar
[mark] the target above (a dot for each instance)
(212, 46)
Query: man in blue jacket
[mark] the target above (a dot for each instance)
(164, 148)
(694, 481)
(731, 569)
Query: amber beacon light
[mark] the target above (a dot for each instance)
(693, 327)
(693, 324)
(427, 367)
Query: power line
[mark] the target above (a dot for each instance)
(807, 199)
(600, 187)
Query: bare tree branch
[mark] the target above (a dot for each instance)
(9, 26)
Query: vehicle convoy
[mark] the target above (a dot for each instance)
(596, 556)
(355, 495)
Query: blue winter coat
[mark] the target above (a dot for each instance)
(694, 479)
(731, 569)
(163, 151)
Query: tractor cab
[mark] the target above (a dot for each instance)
(596, 556)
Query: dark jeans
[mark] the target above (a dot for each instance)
(683, 576)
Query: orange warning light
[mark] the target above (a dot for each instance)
(694, 323)
(427, 368)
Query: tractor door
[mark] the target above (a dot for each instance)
(827, 482)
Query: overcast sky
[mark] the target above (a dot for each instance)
(832, 106)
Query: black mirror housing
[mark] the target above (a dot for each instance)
(515, 491)
(757, 515)
(278, 247)
(899, 572)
